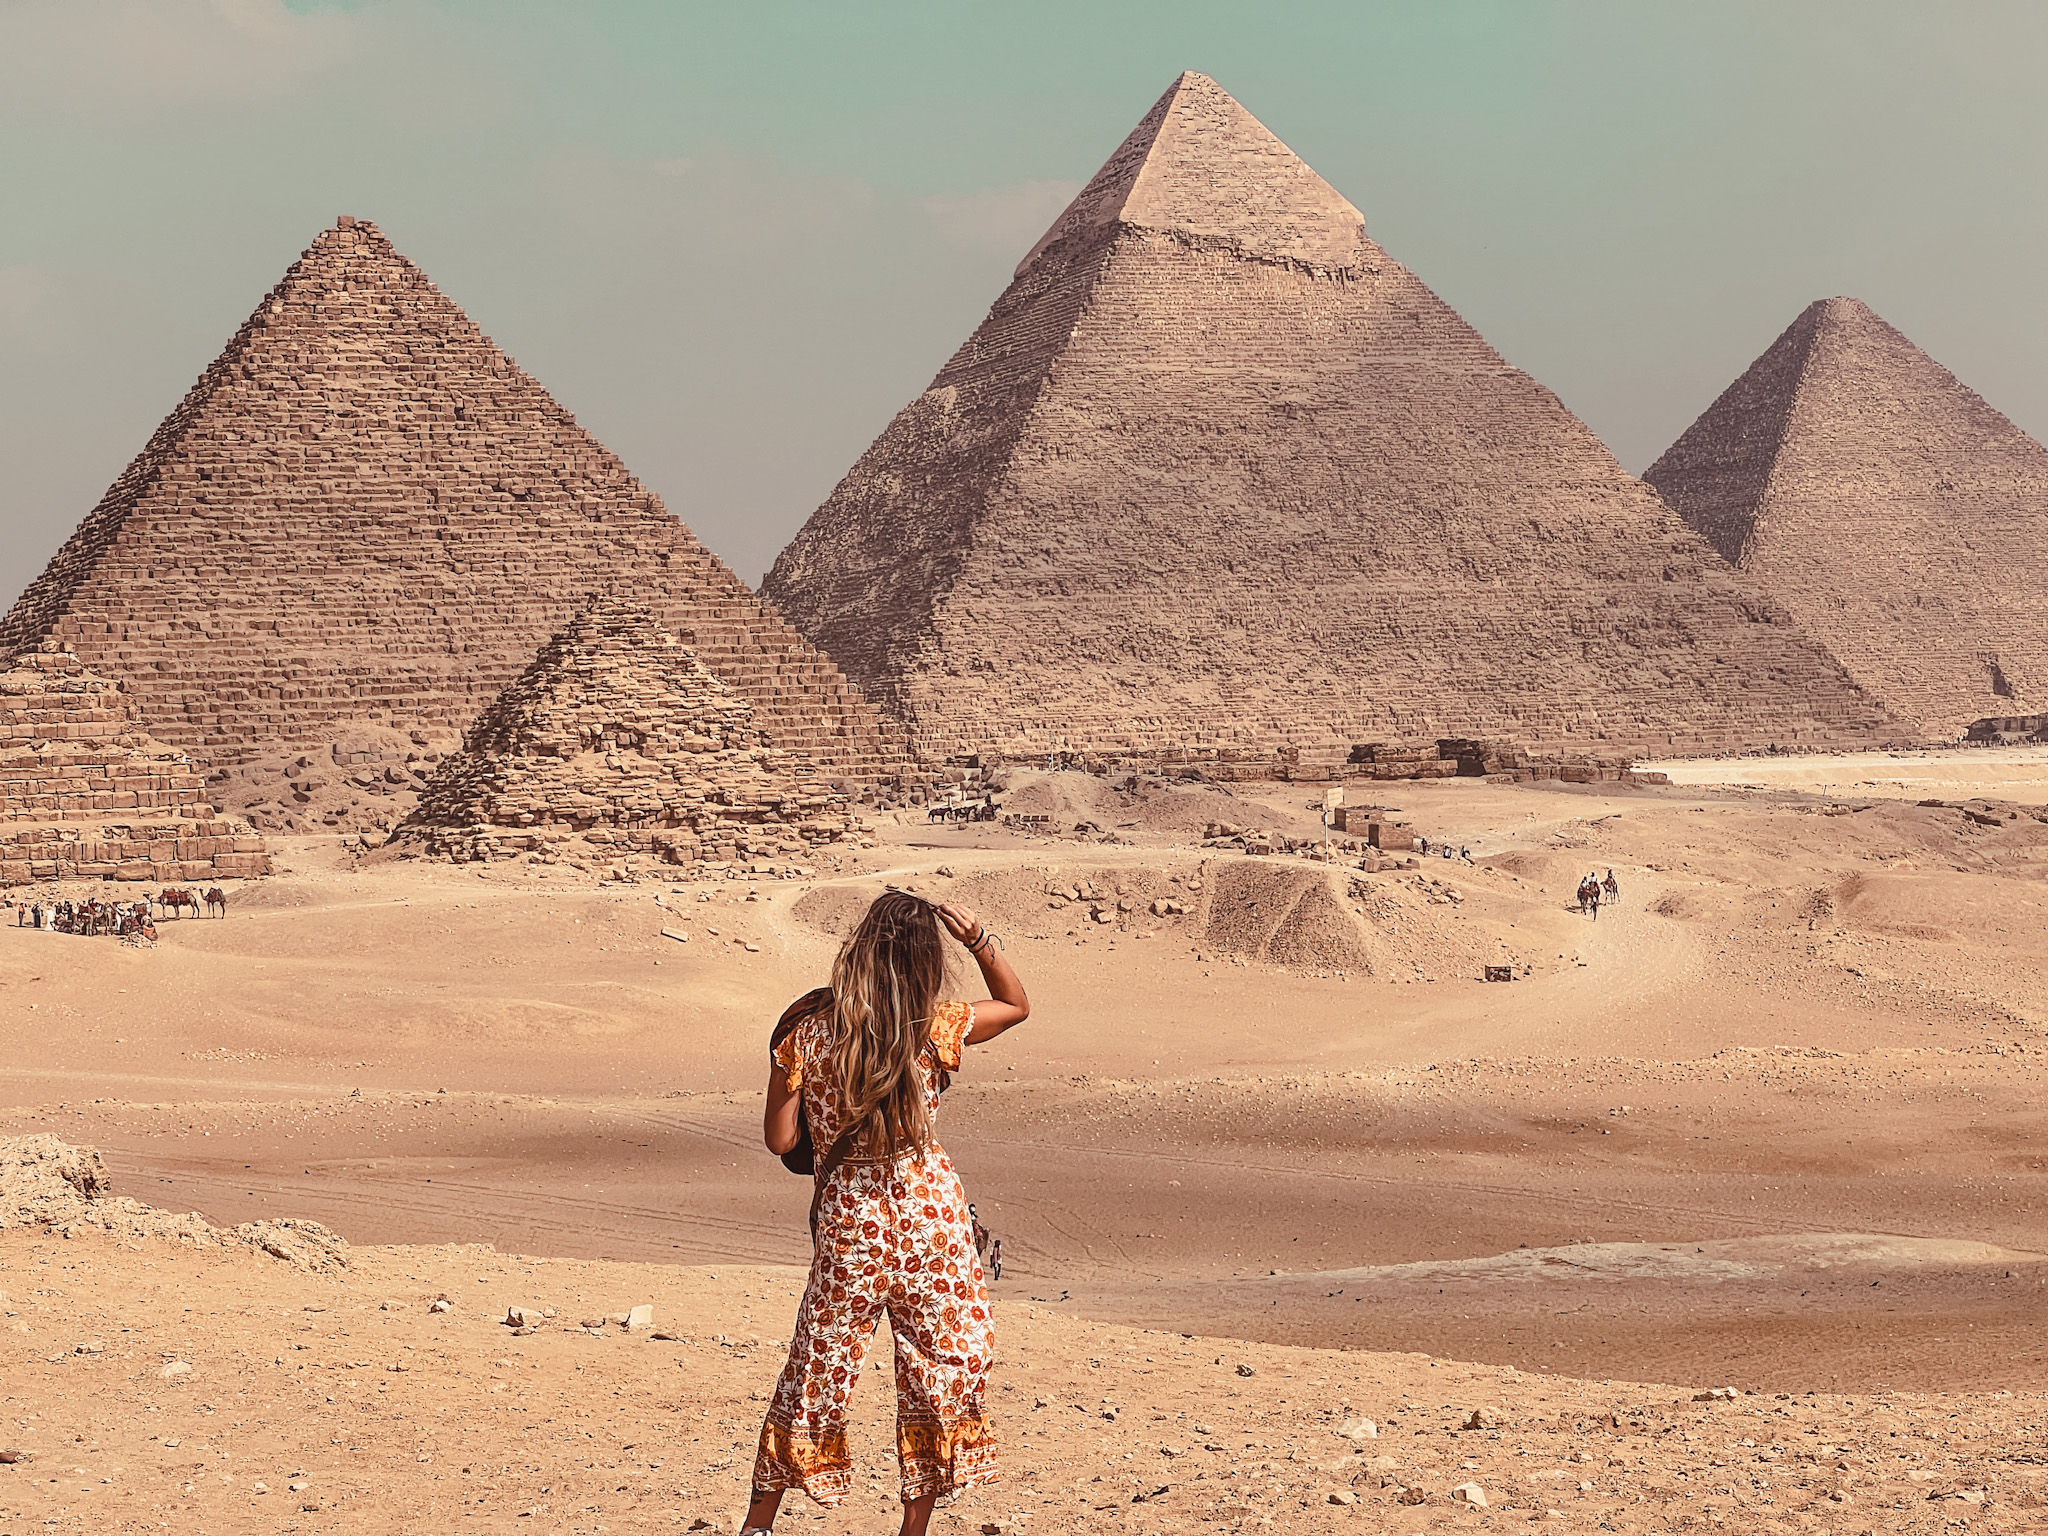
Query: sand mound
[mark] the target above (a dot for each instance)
(49, 1183)
(834, 909)
(1135, 802)
(1067, 798)
(1284, 913)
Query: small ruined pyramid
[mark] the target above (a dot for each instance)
(1217, 470)
(86, 794)
(614, 743)
(1902, 520)
(366, 515)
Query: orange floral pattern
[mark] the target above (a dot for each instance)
(894, 1238)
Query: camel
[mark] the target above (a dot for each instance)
(177, 901)
(216, 902)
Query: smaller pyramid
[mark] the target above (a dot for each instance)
(1901, 519)
(86, 794)
(616, 742)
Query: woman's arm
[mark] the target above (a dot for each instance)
(1006, 1003)
(778, 1122)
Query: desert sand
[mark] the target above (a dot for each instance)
(1773, 1124)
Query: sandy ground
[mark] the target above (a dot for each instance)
(1955, 773)
(1776, 1121)
(342, 1404)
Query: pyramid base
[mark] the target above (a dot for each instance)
(166, 851)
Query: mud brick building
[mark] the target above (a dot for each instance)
(1900, 518)
(365, 514)
(85, 793)
(1217, 471)
(617, 743)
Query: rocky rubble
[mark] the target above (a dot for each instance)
(45, 1182)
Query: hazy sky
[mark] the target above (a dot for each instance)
(735, 238)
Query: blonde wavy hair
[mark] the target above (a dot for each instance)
(885, 987)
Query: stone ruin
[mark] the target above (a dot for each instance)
(616, 745)
(353, 533)
(2007, 731)
(1493, 758)
(1901, 519)
(1217, 475)
(85, 794)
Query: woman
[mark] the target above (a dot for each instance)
(890, 1227)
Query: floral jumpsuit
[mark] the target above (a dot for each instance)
(892, 1237)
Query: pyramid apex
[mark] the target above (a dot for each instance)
(1198, 164)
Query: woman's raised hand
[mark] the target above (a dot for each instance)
(960, 922)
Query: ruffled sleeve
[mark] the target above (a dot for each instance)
(950, 1024)
(789, 1057)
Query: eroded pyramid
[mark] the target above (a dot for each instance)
(365, 515)
(86, 794)
(1217, 470)
(1901, 519)
(615, 743)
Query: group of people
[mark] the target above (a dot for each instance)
(118, 919)
(1444, 850)
(1593, 890)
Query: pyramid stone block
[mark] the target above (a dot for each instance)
(1217, 472)
(1900, 518)
(616, 741)
(86, 794)
(365, 516)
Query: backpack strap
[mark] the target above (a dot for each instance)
(835, 1157)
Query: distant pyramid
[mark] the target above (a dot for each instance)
(1216, 470)
(1902, 520)
(614, 742)
(365, 514)
(86, 794)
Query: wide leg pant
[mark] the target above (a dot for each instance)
(893, 1238)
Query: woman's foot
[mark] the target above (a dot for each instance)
(760, 1519)
(917, 1514)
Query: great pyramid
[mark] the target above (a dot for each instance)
(366, 515)
(1216, 469)
(616, 742)
(1901, 519)
(86, 794)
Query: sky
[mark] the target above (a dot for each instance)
(734, 239)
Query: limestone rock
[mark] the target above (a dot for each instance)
(1217, 473)
(1901, 519)
(365, 515)
(617, 742)
(45, 1182)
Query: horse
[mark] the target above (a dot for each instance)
(177, 901)
(216, 898)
